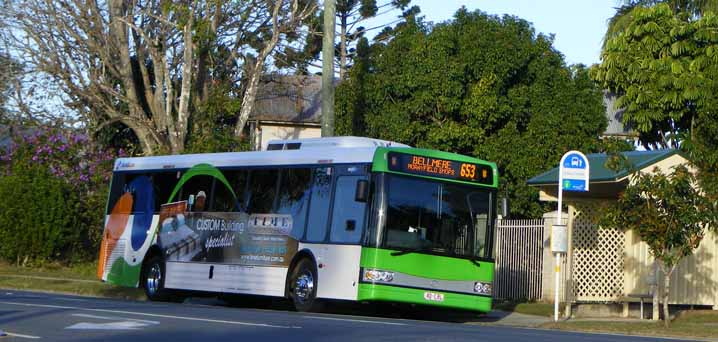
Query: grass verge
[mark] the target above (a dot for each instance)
(537, 309)
(689, 324)
(77, 279)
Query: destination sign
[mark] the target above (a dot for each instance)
(437, 167)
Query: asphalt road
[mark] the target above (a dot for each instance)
(27, 316)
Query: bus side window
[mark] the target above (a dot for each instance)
(117, 189)
(262, 190)
(348, 214)
(294, 190)
(319, 204)
(163, 183)
(222, 198)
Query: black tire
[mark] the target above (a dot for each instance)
(153, 280)
(303, 286)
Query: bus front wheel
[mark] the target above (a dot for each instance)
(303, 287)
(153, 280)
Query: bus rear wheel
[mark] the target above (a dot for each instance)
(303, 287)
(153, 280)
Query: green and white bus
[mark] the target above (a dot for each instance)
(343, 218)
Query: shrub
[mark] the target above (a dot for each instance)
(39, 217)
(54, 184)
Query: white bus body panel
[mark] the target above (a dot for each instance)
(124, 249)
(258, 280)
(339, 274)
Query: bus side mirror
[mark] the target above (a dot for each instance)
(362, 191)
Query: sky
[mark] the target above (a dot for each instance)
(579, 25)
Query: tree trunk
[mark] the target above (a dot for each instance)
(149, 143)
(250, 95)
(343, 48)
(655, 291)
(177, 138)
(667, 271)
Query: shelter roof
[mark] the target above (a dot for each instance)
(600, 173)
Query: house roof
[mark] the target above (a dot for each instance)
(291, 99)
(600, 173)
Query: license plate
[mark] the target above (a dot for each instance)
(434, 297)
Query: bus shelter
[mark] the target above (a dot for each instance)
(609, 265)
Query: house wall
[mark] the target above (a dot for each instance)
(604, 264)
(666, 165)
(695, 280)
(269, 132)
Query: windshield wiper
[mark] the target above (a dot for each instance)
(407, 251)
(475, 262)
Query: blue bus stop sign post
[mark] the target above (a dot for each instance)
(573, 175)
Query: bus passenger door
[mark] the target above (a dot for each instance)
(339, 275)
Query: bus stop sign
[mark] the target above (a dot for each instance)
(573, 172)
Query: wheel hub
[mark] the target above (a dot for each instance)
(303, 286)
(154, 276)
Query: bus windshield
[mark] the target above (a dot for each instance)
(435, 217)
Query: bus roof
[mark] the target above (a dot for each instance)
(334, 150)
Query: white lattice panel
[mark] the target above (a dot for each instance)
(597, 269)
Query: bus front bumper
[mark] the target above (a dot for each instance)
(374, 292)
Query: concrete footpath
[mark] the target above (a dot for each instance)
(511, 319)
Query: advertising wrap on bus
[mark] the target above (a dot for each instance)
(219, 237)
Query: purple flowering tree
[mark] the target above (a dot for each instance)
(50, 162)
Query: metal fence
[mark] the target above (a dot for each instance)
(519, 259)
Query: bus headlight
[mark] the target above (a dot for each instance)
(378, 276)
(482, 288)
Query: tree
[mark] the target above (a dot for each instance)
(624, 13)
(351, 13)
(479, 85)
(9, 70)
(670, 213)
(149, 65)
(665, 67)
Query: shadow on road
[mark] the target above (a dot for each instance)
(379, 310)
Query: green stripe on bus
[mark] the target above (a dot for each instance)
(201, 170)
(427, 266)
(373, 292)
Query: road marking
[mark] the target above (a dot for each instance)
(126, 325)
(154, 315)
(353, 320)
(22, 336)
(115, 318)
(71, 299)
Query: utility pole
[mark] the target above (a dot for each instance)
(328, 69)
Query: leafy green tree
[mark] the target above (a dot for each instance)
(670, 213)
(624, 13)
(665, 67)
(480, 85)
